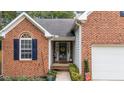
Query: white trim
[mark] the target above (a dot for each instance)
(84, 16)
(107, 45)
(49, 53)
(63, 38)
(22, 59)
(25, 59)
(80, 50)
(20, 18)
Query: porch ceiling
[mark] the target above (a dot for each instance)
(63, 38)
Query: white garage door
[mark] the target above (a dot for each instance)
(108, 63)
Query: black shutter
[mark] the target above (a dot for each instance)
(34, 49)
(16, 49)
(122, 13)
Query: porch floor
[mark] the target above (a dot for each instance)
(60, 66)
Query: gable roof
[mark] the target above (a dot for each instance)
(20, 18)
(61, 27)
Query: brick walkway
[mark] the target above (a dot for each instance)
(63, 76)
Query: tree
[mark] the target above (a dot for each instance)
(52, 14)
(6, 17)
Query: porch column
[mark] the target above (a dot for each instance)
(49, 57)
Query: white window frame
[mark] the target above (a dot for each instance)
(20, 49)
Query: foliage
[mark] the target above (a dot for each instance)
(52, 72)
(24, 78)
(1, 78)
(51, 75)
(10, 79)
(86, 66)
(73, 68)
(8, 16)
(52, 14)
(76, 76)
(74, 73)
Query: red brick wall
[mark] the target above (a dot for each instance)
(37, 67)
(101, 28)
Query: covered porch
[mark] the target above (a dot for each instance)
(62, 53)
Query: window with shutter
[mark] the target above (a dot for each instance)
(25, 47)
(16, 49)
(34, 49)
(122, 13)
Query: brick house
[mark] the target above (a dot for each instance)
(30, 47)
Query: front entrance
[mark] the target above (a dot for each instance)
(62, 52)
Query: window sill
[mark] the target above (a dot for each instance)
(25, 60)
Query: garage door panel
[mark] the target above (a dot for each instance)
(108, 63)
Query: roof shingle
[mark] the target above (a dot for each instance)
(61, 27)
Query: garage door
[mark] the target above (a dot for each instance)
(108, 63)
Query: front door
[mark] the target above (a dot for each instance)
(62, 51)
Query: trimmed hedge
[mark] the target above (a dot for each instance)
(74, 73)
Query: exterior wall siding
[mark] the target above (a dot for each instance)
(106, 27)
(77, 49)
(31, 68)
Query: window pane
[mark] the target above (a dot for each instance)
(26, 49)
(26, 35)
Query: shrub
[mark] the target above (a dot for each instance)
(23, 78)
(1, 78)
(74, 73)
(73, 68)
(51, 75)
(10, 79)
(86, 70)
(76, 76)
(86, 66)
(52, 72)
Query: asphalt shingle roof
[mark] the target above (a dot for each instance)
(61, 27)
